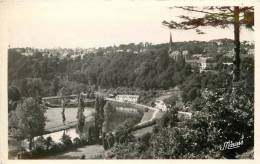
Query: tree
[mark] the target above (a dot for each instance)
(64, 92)
(55, 86)
(99, 116)
(66, 140)
(48, 142)
(30, 119)
(223, 17)
(24, 88)
(13, 94)
(35, 87)
(108, 111)
(80, 114)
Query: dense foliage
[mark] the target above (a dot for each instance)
(46, 146)
(222, 117)
(28, 119)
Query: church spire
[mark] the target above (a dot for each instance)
(170, 43)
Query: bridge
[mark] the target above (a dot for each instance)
(73, 100)
(70, 97)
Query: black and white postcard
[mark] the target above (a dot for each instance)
(108, 79)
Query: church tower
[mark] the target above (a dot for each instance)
(174, 54)
(170, 44)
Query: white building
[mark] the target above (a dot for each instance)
(185, 52)
(228, 63)
(203, 63)
(185, 115)
(207, 63)
(176, 55)
(197, 55)
(160, 104)
(251, 52)
(230, 53)
(128, 98)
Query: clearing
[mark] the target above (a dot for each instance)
(54, 117)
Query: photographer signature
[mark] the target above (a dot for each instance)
(231, 145)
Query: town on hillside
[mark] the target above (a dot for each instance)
(173, 100)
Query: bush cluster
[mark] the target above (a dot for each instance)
(44, 147)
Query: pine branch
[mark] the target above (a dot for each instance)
(214, 16)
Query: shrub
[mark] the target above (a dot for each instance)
(77, 141)
(56, 147)
(48, 142)
(66, 140)
(38, 150)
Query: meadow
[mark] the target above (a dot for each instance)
(54, 117)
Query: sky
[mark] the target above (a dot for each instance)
(86, 24)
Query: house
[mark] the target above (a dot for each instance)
(176, 55)
(186, 54)
(160, 104)
(251, 52)
(228, 63)
(184, 115)
(27, 53)
(128, 98)
(197, 55)
(207, 63)
(229, 54)
(120, 50)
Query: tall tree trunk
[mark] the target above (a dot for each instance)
(30, 143)
(63, 110)
(80, 115)
(236, 60)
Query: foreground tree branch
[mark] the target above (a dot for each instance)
(223, 17)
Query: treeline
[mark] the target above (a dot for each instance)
(46, 75)
(40, 75)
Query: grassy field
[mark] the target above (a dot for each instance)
(54, 117)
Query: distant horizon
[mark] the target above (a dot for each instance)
(251, 41)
